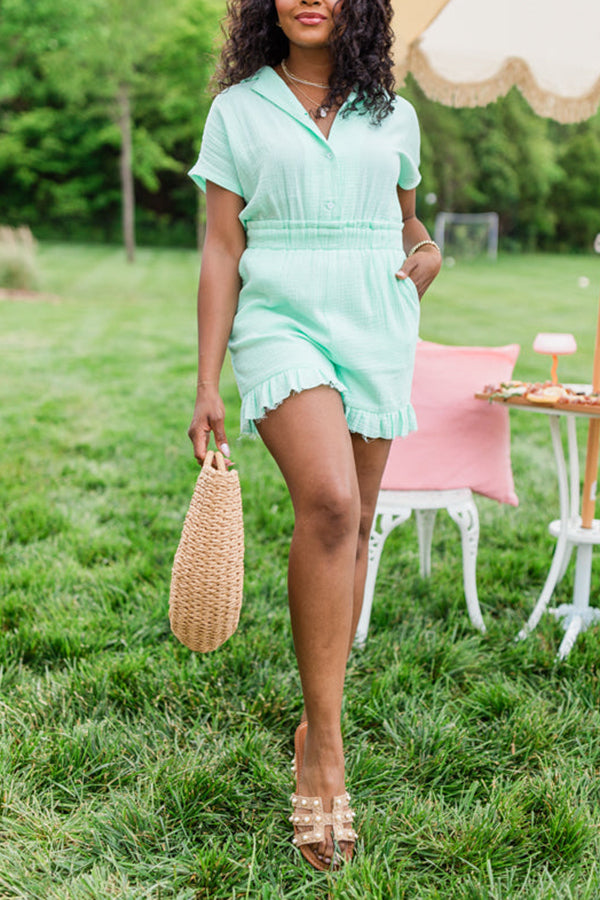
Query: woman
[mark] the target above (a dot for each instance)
(313, 268)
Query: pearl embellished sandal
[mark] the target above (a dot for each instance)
(310, 820)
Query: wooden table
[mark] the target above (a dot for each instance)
(567, 529)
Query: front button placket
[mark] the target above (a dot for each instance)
(270, 86)
(331, 179)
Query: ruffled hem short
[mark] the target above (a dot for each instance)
(320, 304)
(270, 394)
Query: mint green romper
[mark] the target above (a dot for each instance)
(319, 303)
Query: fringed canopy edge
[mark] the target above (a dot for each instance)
(514, 73)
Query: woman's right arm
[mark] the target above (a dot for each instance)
(218, 294)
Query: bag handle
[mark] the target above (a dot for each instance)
(218, 457)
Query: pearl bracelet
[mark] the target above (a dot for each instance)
(423, 244)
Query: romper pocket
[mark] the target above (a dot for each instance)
(408, 308)
(413, 286)
(408, 287)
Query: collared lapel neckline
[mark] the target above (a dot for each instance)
(269, 85)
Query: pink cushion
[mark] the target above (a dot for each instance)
(461, 441)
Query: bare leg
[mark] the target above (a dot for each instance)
(370, 459)
(309, 439)
(333, 479)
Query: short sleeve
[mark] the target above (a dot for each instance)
(409, 148)
(216, 160)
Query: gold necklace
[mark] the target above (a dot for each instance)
(301, 80)
(321, 111)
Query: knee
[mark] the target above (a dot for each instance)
(333, 514)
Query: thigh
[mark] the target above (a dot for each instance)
(370, 458)
(308, 437)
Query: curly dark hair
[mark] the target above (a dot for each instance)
(361, 44)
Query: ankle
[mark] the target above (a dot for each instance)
(325, 761)
(325, 742)
(325, 728)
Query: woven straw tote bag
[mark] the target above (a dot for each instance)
(208, 570)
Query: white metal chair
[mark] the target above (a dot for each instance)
(462, 446)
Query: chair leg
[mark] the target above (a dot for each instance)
(362, 628)
(383, 523)
(425, 524)
(467, 518)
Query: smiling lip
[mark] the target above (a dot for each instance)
(310, 18)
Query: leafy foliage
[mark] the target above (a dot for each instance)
(62, 66)
(578, 189)
(65, 64)
(503, 158)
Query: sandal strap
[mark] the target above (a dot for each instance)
(309, 814)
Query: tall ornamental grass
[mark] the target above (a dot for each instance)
(18, 267)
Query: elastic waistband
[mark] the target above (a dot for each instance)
(279, 234)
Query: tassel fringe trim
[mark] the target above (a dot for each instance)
(514, 73)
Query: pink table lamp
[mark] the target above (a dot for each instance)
(555, 345)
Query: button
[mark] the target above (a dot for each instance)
(330, 156)
(329, 205)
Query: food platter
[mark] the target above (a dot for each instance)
(544, 396)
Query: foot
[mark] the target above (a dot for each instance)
(320, 789)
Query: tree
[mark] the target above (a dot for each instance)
(185, 59)
(577, 195)
(45, 149)
(81, 81)
(501, 158)
(114, 39)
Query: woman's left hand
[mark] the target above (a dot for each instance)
(421, 267)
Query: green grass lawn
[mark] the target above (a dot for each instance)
(131, 768)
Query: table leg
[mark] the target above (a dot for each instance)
(573, 488)
(577, 616)
(562, 548)
(574, 627)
